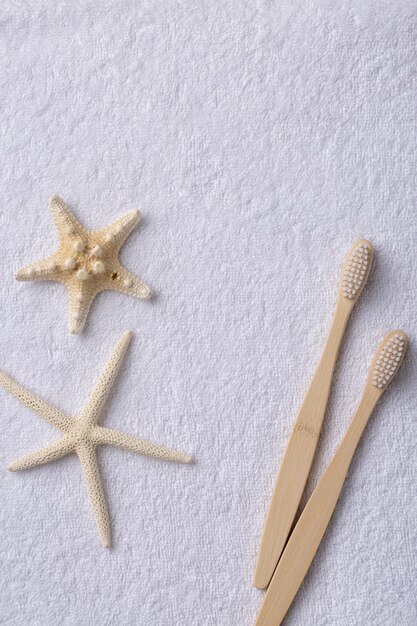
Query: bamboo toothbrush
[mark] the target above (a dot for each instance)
(299, 455)
(308, 533)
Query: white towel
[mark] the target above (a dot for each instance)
(259, 139)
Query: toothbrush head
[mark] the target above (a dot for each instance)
(356, 269)
(388, 359)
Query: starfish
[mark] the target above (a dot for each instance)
(86, 262)
(81, 435)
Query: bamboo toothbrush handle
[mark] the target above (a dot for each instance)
(299, 454)
(308, 533)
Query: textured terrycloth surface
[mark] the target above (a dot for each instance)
(259, 142)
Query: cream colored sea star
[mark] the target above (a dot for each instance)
(86, 262)
(82, 435)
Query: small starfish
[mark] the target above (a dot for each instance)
(86, 262)
(82, 435)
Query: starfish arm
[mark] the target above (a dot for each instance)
(55, 451)
(124, 281)
(118, 231)
(49, 412)
(91, 473)
(92, 411)
(44, 269)
(80, 298)
(65, 221)
(102, 436)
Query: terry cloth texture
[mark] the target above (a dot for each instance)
(259, 140)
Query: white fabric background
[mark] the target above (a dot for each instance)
(259, 140)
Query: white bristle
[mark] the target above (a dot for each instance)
(355, 271)
(388, 361)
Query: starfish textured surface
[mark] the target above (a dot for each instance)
(81, 435)
(86, 262)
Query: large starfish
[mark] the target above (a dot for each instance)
(86, 262)
(82, 435)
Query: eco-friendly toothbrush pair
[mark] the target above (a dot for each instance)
(294, 561)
